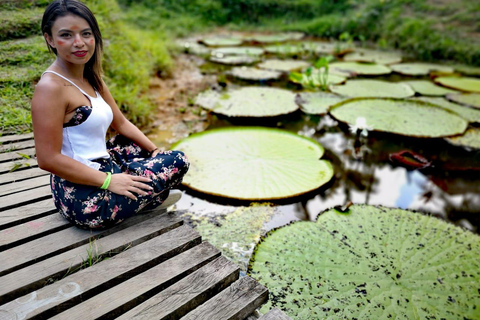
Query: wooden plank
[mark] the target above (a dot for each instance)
(25, 197)
(29, 212)
(275, 314)
(185, 295)
(104, 275)
(19, 145)
(22, 175)
(9, 156)
(16, 137)
(135, 230)
(133, 291)
(15, 187)
(18, 165)
(31, 230)
(236, 302)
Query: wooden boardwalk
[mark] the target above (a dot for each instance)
(151, 266)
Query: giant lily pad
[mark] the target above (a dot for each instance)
(373, 263)
(373, 88)
(427, 88)
(234, 60)
(254, 163)
(470, 139)
(317, 102)
(319, 47)
(254, 74)
(467, 99)
(237, 51)
(467, 70)
(283, 65)
(405, 117)
(285, 49)
(278, 37)
(469, 114)
(370, 69)
(222, 41)
(373, 56)
(249, 102)
(419, 68)
(468, 84)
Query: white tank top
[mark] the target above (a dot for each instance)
(86, 141)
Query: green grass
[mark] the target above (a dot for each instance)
(19, 23)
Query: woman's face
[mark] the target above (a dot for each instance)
(73, 39)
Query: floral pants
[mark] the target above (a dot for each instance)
(92, 208)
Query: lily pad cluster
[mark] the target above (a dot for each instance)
(370, 263)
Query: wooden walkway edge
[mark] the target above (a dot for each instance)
(151, 266)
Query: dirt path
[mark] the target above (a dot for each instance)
(176, 116)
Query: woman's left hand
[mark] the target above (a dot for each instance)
(155, 152)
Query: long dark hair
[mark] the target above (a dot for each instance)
(60, 8)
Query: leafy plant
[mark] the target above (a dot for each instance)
(316, 77)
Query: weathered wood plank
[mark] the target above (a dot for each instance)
(29, 212)
(236, 302)
(16, 137)
(135, 290)
(18, 165)
(18, 145)
(275, 314)
(185, 295)
(9, 156)
(129, 233)
(22, 175)
(16, 187)
(31, 230)
(25, 197)
(105, 275)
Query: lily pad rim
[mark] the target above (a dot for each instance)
(429, 104)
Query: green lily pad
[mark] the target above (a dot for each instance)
(467, 99)
(419, 68)
(428, 88)
(283, 65)
(254, 74)
(254, 163)
(234, 60)
(470, 139)
(249, 102)
(222, 42)
(272, 38)
(370, 69)
(374, 56)
(373, 263)
(373, 88)
(319, 47)
(234, 233)
(469, 114)
(405, 117)
(468, 84)
(237, 51)
(467, 70)
(190, 46)
(317, 102)
(285, 49)
(313, 80)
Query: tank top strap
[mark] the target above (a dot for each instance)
(65, 78)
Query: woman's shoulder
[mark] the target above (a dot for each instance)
(49, 83)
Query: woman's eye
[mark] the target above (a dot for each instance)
(65, 35)
(87, 34)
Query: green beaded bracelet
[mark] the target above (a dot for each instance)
(106, 183)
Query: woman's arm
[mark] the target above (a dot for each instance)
(49, 105)
(123, 126)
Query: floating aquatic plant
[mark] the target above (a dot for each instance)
(370, 263)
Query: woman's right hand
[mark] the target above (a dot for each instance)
(127, 185)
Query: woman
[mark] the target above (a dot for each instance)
(94, 184)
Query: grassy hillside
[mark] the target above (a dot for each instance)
(426, 29)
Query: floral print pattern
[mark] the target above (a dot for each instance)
(91, 207)
(81, 114)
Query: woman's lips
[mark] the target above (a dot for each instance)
(80, 54)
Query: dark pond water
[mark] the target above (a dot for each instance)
(365, 173)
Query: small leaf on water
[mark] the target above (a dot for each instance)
(296, 76)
